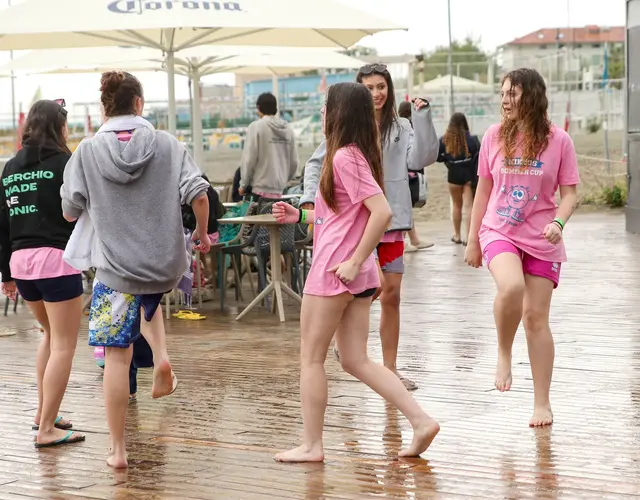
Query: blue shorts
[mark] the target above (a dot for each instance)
(58, 289)
(114, 317)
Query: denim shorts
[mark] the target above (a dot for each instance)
(114, 317)
(58, 289)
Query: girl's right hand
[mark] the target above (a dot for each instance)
(285, 213)
(473, 254)
(9, 289)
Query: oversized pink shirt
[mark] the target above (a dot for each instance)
(523, 198)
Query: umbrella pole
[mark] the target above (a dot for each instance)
(198, 149)
(171, 73)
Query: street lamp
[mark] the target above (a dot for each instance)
(450, 61)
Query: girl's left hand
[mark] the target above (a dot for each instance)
(552, 233)
(285, 213)
(420, 103)
(346, 272)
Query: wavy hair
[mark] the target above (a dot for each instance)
(455, 138)
(532, 116)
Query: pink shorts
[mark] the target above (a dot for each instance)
(530, 264)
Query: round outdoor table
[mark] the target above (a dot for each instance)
(277, 286)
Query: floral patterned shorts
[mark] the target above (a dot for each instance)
(114, 317)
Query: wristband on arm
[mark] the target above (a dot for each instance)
(559, 222)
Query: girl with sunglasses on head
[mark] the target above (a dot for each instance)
(404, 149)
(351, 215)
(33, 236)
(517, 225)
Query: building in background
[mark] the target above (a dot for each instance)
(299, 96)
(562, 54)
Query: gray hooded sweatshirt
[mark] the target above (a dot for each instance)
(133, 192)
(270, 156)
(406, 149)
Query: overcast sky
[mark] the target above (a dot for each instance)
(495, 22)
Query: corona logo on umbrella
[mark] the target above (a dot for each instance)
(141, 6)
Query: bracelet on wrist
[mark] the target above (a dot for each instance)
(560, 222)
(302, 217)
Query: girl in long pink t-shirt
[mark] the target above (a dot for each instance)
(517, 226)
(351, 215)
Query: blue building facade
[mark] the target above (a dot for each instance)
(298, 96)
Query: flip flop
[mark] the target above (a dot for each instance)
(457, 242)
(68, 439)
(189, 315)
(174, 383)
(410, 385)
(57, 425)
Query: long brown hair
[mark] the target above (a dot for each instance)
(455, 138)
(44, 127)
(532, 116)
(349, 119)
(388, 113)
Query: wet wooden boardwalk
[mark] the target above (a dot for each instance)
(238, 400)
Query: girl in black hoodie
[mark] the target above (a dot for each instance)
(33, 236)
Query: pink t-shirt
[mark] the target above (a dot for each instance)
(522, 200)
(39, 264)
(337, 235)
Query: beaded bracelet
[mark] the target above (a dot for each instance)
(560, 222)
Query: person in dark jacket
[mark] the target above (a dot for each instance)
(33, 236)
(459, 151)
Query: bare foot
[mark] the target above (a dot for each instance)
(541, 417)
(423, 436)
(409, 384)
(303, 453)
(164, 380)
(117, 462)
(503, 373)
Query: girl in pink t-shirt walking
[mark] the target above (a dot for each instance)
(517, 226)
(351, 215)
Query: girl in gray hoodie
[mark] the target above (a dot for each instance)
(132, 181)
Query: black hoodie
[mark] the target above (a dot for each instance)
(30, 204)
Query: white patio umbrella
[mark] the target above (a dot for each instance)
(174, 25)
(194, 63)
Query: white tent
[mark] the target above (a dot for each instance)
(443, 84)
(194, 63)
(173, 25)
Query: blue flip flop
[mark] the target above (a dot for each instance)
(68, 439)
(57, 425)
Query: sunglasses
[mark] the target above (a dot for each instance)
(367, 69)
(62, 103)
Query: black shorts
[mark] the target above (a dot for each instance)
(57, 289)
(460, 175)
(367, 293)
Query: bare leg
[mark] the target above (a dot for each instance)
(413, 236)
(467, 204)
(352, 336)
(154, 333)
(116, 399)
(390, 324)
(44, 349)
(319, 319)
(506, 269)
(456, 215)
(537, 302)
(64, 323)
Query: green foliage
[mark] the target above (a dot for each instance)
(616, 63)
(593, 124)
(615, 196)
(473, 60)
